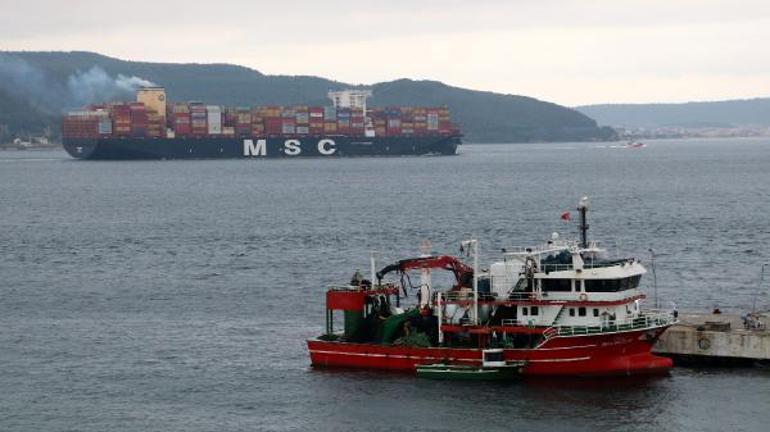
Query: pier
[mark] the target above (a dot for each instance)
(717, 339)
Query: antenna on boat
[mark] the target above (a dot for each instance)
(583, 209)
(759, 288)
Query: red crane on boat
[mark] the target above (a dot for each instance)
(462, 272)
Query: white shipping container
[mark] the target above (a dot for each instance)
(89, 114)
(394, 123)
(433, 121)
(214, 117)
(105, 126)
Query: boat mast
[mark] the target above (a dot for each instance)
(472, 246)
(440, 308)
(425, 280)
(476, 280)
(373, 267)
(583, 209)
(654, 276)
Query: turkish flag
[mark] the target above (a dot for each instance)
(565, 216)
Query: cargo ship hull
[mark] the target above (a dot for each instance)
(610, 354)
(208, 147)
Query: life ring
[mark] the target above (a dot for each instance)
(583, 297)
(704, 343)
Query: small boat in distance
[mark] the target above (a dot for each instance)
(634, 145)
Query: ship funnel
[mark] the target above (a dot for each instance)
(154, 98)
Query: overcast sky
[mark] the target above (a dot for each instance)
(569, 52)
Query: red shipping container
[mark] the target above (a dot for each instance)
(182, 130)
(273, 125)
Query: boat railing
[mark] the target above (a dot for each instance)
(459, 296)
(549, 247)
(376, 288)
(521, 295)
(343, 288)
(647, 320)
(453, 296)
(541, 248)
(547, 268)
(511, 323)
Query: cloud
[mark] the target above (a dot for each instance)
(549, 49)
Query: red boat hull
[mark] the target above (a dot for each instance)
(622, 353)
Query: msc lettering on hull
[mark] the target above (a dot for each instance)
(291, 147)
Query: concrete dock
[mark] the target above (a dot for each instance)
(717, 339)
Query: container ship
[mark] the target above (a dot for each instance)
(560, 309)
(151, 128)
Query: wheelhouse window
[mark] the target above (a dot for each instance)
(534, 310)
(581, 311)
(524, 311)
(571, 311)
(596, 312)
(564, 285)
(612, 285)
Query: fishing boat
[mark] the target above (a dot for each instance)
(562, 308)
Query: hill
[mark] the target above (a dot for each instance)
(730, 113)
(36, 87)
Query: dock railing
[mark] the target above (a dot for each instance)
(647, 320)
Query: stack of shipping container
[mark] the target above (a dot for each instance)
(316, 124)
(198, 119)
(179, 119)
(121, 120)
(138, 119)
(195, 119)
(243, 121)
(86, 124)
